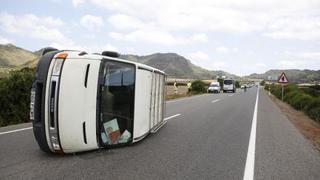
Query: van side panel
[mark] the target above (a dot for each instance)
(77, 105)
(142, 103)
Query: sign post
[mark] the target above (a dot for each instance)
(283, 80)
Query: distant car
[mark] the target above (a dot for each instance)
(214, 87)
(229, 85)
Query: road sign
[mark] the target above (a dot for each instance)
(283, 78)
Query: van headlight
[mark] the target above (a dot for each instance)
(57, 67)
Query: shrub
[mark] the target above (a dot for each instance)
(300, 101)
(312, 91)
(198, 86)
(237, 84)
(15, 96)
(314, 113)
(315, 102)
(276, 90)
(289, 96)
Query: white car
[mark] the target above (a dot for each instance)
(214, 87)
(81, 101)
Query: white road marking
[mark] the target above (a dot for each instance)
(249, 168)
(23, 129)
(216, 100)
(230, 95)
(176, 115)
(185, 98)
(17, 130)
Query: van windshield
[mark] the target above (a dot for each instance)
(214, 85)
(116, 103)
(228, 82)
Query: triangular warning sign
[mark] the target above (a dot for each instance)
(283, 78)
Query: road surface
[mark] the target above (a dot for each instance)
(206, 137)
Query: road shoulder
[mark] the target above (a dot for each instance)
(309, 128)
(281, 150)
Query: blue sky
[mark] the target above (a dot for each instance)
(238, 36)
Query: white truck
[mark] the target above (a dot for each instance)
(82, 101)
(229, 85)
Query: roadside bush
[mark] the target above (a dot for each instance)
(15, 97)
(311, 91)
(290, 87)
(288, 97)
(237, 84)
(198, 87)
(315, 102)
(314, 113)
(276, 90)
(300, 101)
(306, 99)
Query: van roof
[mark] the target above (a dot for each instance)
(75, 54)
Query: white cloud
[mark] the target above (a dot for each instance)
(154, 36)
(301, 28)
(217, 65)
(222, 49)
(309, 55)
(201, 37)
(291, 64)
(44, 28)
(272, 18)
(77, 3)
(198, 56)
(306, 55)
(88, 48)
(124, 22)
(91, 22)
(5, 40)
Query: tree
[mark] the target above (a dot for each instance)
(15, 96)
(198, 86)
(237, 84)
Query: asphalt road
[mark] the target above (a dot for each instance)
(208, 138)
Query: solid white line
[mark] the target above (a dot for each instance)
(171, 117)
(230, 94)
(249, 169)
(216, 100)
(17, 130)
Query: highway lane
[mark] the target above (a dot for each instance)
(208, 140)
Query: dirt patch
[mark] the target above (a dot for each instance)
(309, 128)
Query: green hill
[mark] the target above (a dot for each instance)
(176, 66)
(12, 56)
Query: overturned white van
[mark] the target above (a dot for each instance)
(81, 101)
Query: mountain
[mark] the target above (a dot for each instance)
(176, 66)
(12, 56)
(294, 75)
